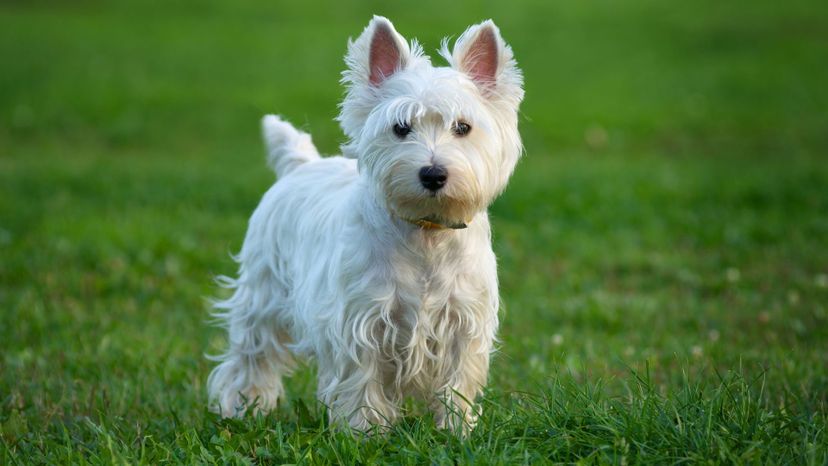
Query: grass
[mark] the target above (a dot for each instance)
(663, 245)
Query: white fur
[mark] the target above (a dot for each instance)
(332, 268)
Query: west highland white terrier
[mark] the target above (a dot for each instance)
(378, 263)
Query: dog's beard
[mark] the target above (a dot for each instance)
(439, 209)
(455, 204)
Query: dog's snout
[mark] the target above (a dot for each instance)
(433, 177)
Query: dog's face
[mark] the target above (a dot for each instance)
(436, 143)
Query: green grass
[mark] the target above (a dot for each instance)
(663, 245)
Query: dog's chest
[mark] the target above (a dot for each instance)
(425, 328)
(425, 285)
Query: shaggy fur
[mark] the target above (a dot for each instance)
(335, 265)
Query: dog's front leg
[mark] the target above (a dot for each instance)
(357, 397)
(454, 408)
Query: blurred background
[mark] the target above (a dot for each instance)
(670, 212)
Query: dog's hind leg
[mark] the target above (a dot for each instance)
(251, 370)
(287, 147)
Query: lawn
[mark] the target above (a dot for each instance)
(663, 245)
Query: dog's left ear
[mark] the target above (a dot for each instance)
(483, 55)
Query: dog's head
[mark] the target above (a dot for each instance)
(436, 143)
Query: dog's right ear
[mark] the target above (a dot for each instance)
(379, 52)
(376, 55)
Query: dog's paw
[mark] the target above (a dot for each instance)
(233, 392)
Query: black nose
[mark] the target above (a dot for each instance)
(433, 177)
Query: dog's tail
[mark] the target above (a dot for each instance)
(287, 147)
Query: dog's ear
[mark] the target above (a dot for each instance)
(481, 53)
(379, 52)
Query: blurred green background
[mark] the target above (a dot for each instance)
(670, 213)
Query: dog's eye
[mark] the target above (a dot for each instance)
(460, 128)
(402, 130)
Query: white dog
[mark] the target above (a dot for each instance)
(379, 263)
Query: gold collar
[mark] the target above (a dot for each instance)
(432, 223)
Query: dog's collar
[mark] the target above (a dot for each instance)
(433, 223)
